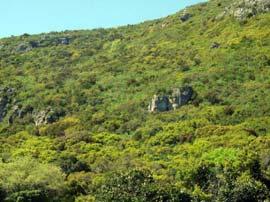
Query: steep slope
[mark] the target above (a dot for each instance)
(78, 100)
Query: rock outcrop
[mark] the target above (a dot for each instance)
(43, 117)
(12, 111)
(27, 46)
(215, 45)
(248, 8)
(63, 41)
(23, 47)
(160, 104)
(181, 96)
(178, 98)
(185, 17)
(46, 116)
(44, 41)
(244, 9)
(19, 112)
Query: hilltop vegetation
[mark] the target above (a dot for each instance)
(74, 119)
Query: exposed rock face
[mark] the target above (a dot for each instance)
(27, 46)
(46, 116)
(38, 117)
(179, 97)
(249, 8)
(19, 112)
(12, 111)
(5, 100)
(159, 103)
(244, 9)
(43, 42)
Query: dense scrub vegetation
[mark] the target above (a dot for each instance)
(74, 123)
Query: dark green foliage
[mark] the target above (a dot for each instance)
(248, 190)
(25, 196)
(204, 176)
(138, 185)
(70, 164)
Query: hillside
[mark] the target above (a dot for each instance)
(175, 109)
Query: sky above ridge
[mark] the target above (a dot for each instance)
(36, 16)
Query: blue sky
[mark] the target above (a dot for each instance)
(36, 16)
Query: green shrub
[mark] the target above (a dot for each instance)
(70, 164)
(27, 180)
(248, 189)
(138, 185)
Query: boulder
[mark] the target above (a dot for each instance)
(215, 45)
(33, 44)
(185, 17)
